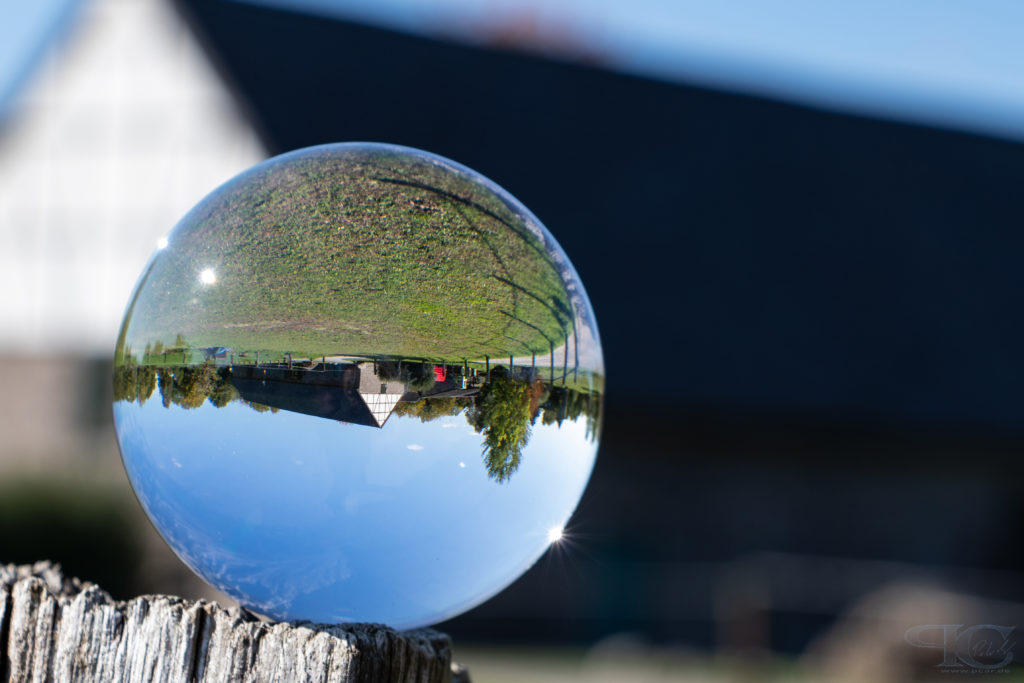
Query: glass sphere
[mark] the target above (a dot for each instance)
(359, 382)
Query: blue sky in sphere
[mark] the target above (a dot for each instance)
(303, 517)
(950, 63)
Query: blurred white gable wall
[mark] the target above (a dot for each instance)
(124, 128)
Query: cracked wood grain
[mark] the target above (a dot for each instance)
(53, 628)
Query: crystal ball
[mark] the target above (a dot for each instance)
(359, 382)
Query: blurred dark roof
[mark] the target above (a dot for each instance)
(763, 255)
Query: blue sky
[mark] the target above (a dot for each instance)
(951, 63)
(26, 29)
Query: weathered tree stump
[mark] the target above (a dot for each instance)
(53, 628)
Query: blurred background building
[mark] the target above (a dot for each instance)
(814, 213)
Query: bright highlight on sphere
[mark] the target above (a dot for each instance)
(395, 382)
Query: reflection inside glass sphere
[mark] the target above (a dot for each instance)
(359, 382)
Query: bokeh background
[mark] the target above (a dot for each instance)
(800, 225)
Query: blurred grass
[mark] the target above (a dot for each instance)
(642, 665)
(90, 529)
(663, 665)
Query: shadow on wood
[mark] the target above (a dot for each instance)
(61, 629)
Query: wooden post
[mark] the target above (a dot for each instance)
(55, 628)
